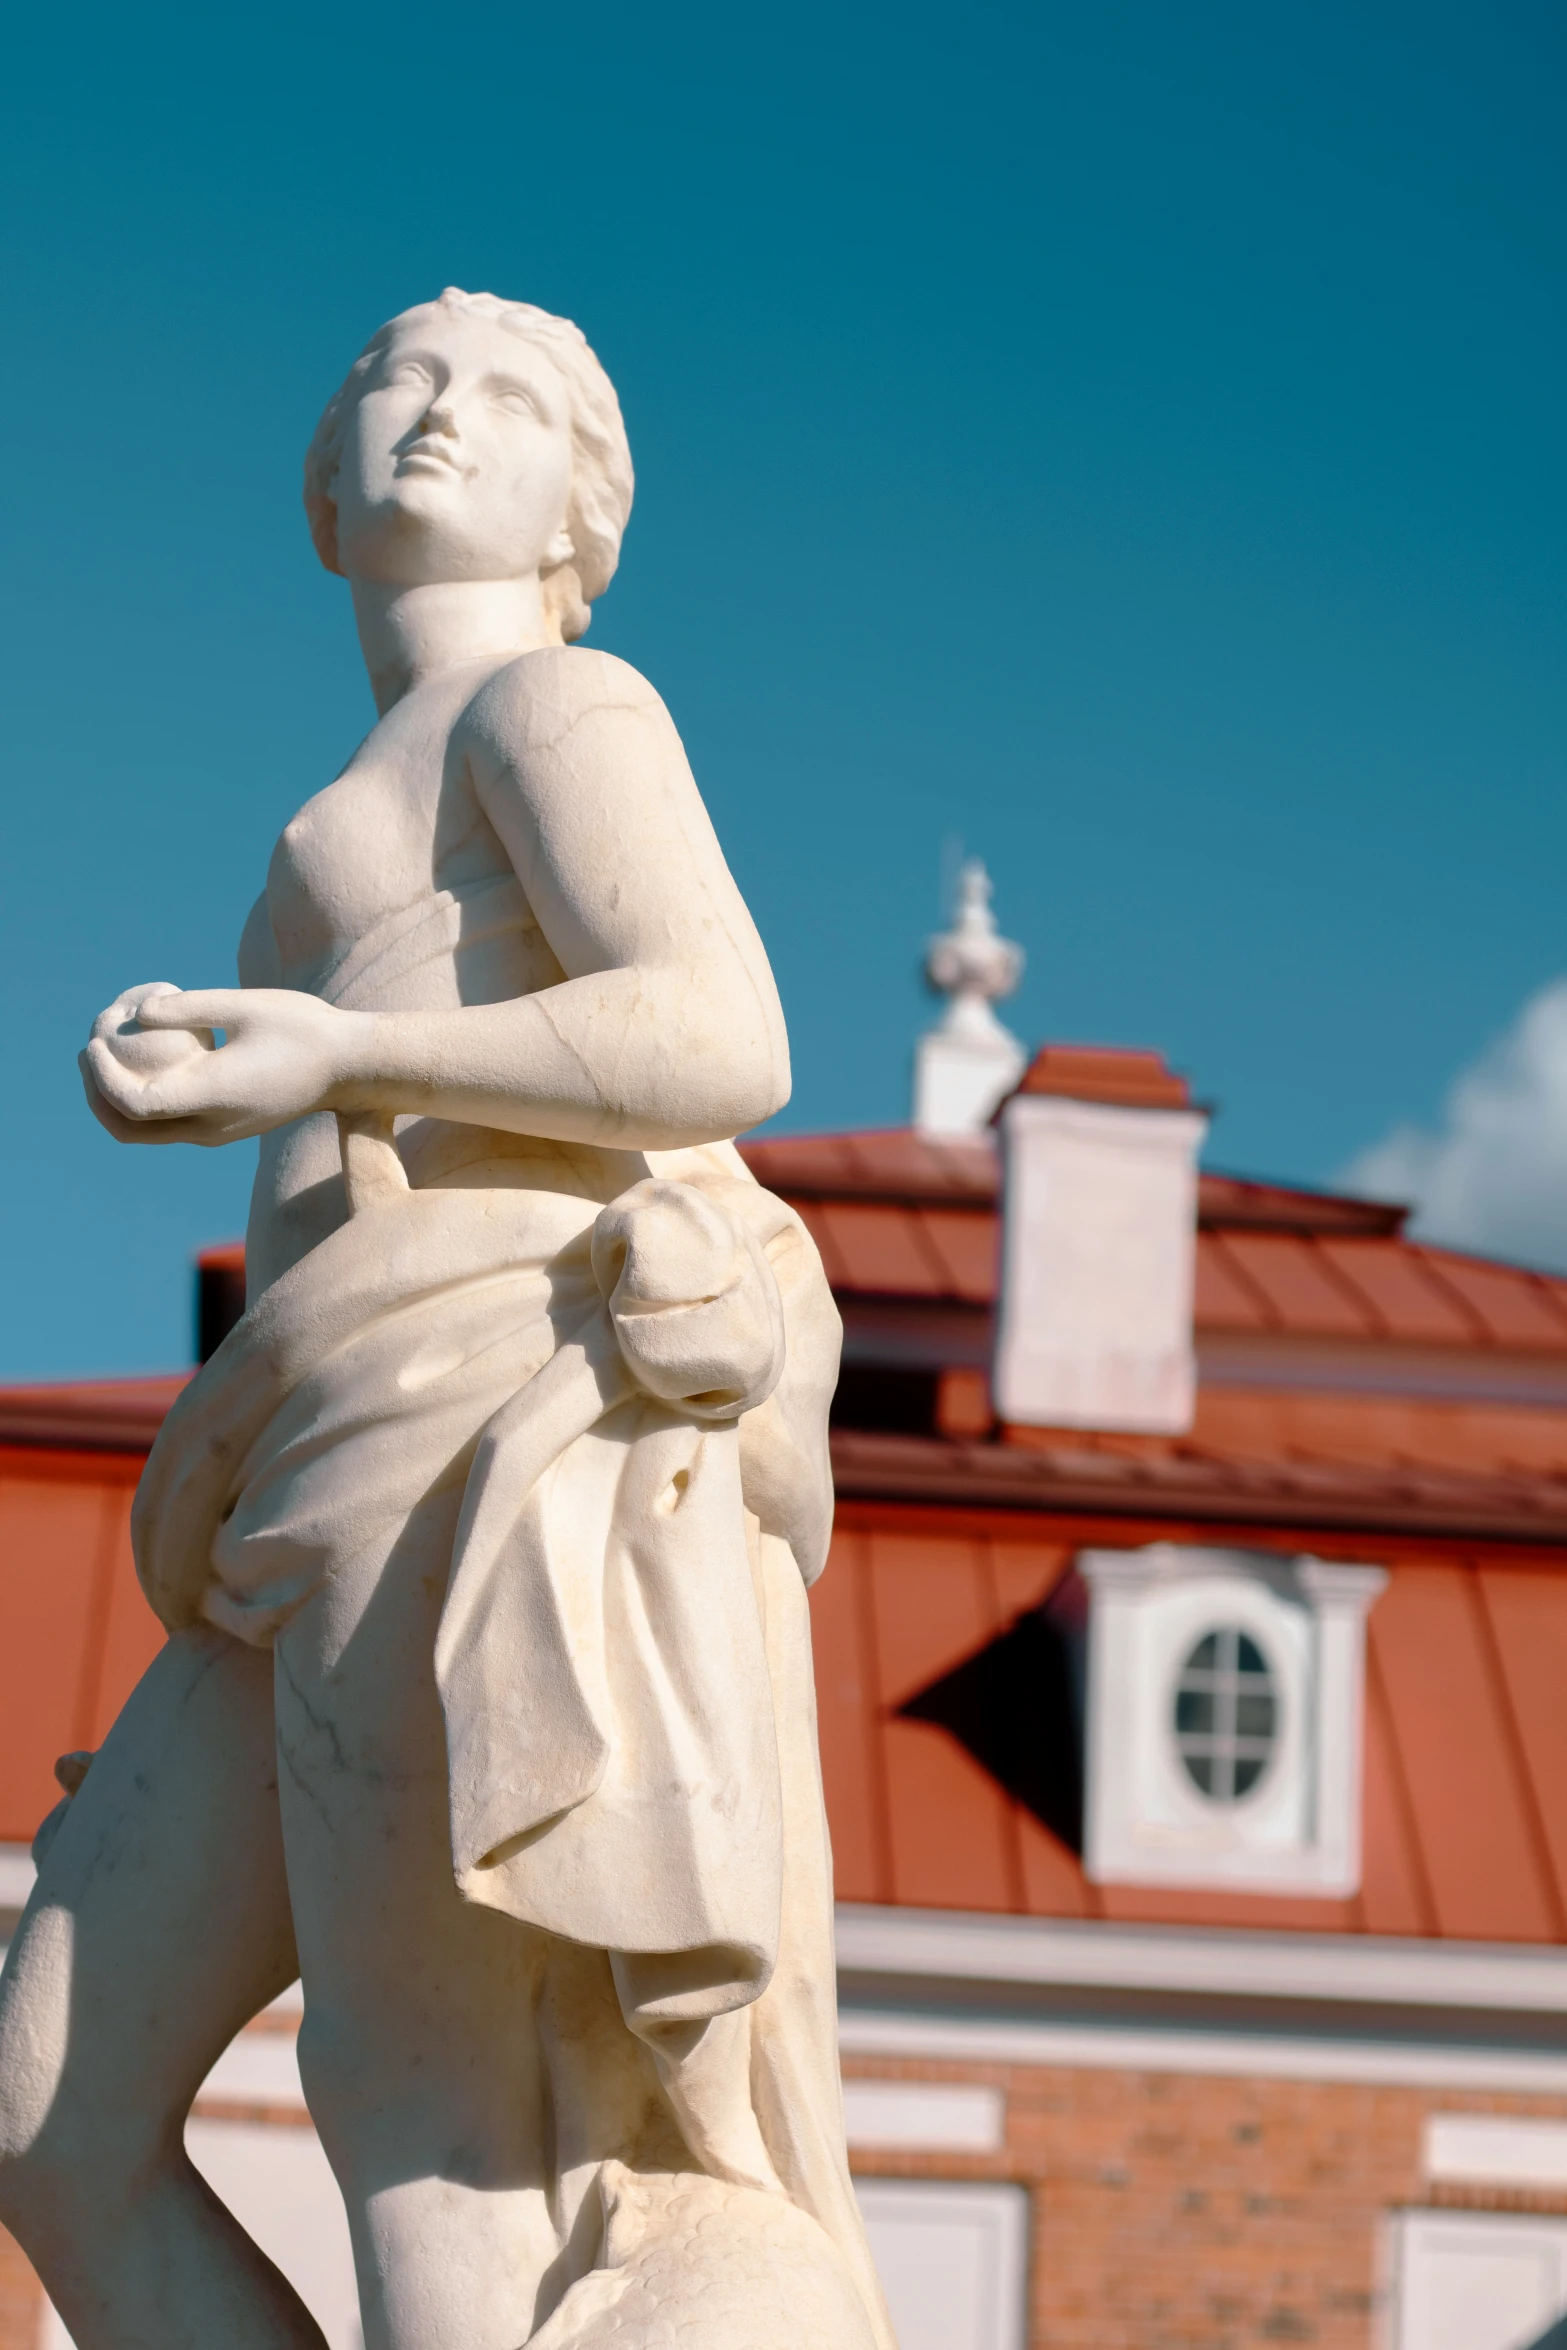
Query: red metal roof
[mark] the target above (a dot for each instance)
(1465, 1816)
(1360, 1395)
(902, 1214)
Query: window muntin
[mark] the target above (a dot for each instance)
(1226, 1714)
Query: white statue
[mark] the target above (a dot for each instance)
(482, 1542)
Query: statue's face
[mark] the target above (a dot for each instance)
(456, 461)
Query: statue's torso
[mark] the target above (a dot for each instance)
(391, 891)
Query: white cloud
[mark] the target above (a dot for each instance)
(1494, 1178)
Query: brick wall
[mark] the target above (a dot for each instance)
(1169, 2211)
(1179, 2212)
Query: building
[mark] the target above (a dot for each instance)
(1190, 1669)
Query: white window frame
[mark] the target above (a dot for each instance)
(1000, 2209)
(1145, 1821)
(1418, 2236)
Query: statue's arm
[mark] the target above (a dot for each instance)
(666, 1029)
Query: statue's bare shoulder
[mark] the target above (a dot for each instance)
(544, 710)
(579, 767)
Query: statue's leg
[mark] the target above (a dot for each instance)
(159, 1926)
(426, 2019)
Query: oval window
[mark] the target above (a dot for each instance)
(1226, 1714)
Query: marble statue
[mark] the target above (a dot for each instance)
(482, 1542)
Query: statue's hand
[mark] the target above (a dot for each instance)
(153, 1075)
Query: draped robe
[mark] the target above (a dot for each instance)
(631, 1392)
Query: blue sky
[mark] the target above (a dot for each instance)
(1126, 438)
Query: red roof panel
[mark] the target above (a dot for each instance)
(1513, 1308)
(1224, 1299)
(950, 1826)
(1299, 1287)
(882, 1250)
(849, 1722)
(1394, 1897)
(892, 1163)
(963, 1242)
(1400, 1297)
(1468, 1803)
(1024, 1573)
(1528, 1619)
(949, 1822)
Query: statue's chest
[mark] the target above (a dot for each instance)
(387, 833)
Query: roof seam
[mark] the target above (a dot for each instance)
(984, 1557)
(1546, 1291)
(868, 1630)
(1359, 1300)
(1450, 1290)
(1378, 1693)
(1253, 1288)
(1517, 1752)
(940, 1271)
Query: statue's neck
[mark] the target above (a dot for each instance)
(410, 633)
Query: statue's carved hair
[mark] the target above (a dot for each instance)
(601, 477)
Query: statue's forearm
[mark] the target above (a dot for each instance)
(635, 1058)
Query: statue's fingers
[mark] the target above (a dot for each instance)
(111, 1081)
(169, 1093)
(197, 1007)
(144, 1129)
(106, 1111)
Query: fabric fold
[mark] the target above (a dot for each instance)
(585, 1372)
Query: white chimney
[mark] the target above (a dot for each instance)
(1099, 1233)
(968, 1061)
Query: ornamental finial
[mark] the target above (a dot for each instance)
(972, 960)
(967, 1062)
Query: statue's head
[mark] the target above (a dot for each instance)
(474, 439)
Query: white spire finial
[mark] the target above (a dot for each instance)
(971, 962)
(967, 1062)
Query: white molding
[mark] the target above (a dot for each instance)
(961, 1946)
(925, 2116)
(1495, 2150)
(1112, 2047)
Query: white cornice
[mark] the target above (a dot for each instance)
(1116, 2047)
(958, 1946)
